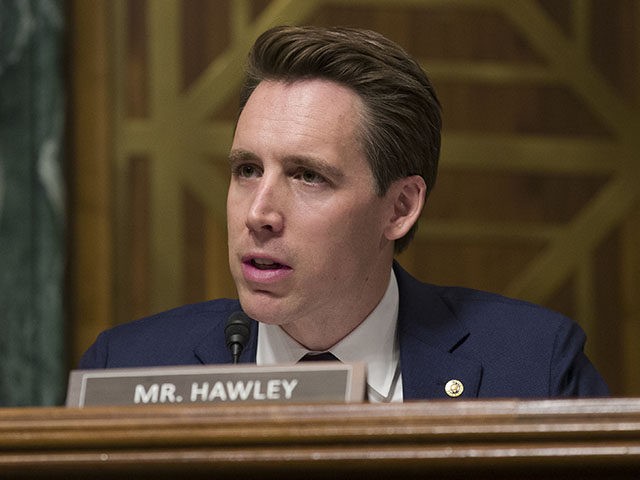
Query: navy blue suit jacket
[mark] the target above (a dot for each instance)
(496, 346)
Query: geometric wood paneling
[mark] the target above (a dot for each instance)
(538, 195)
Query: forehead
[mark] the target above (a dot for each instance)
(308, 89)
(319, 104)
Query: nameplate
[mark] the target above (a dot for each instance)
(218, 384)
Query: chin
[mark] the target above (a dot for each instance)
(261, 312)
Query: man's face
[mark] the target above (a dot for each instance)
(307, 248)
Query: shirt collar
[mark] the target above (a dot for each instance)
(373, 342)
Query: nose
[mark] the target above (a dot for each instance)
(266, 210)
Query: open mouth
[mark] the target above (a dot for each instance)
(265, 264)
(265, 270)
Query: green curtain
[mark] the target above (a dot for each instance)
(32, 216)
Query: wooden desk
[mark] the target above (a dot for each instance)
(439, 439)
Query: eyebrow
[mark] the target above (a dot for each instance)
(236, 156)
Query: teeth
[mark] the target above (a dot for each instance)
(263, 262)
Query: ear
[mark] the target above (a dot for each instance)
(407, 196)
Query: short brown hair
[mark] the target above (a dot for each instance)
(401, 131)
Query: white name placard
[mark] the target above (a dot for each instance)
(305, 382)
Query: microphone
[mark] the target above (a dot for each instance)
(237, 333)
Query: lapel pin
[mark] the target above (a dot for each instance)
(454, 388)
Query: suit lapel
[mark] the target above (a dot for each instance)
(429, 335)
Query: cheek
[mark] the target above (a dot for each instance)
(234, 209)
(353, 230)
(230, 204)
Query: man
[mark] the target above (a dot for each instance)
(335, 151)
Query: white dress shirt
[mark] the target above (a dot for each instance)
(373, 342)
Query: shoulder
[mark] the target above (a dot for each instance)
(484, 325)
(476, 307)
(164, 338)
(186, 318)
(508, 324)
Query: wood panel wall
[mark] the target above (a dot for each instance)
(539, 185)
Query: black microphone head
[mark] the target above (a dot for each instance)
(237, 332)
(237, 329)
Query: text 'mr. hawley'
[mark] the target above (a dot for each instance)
(219, 391)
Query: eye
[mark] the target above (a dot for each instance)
(245, 170)
(309, 176)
